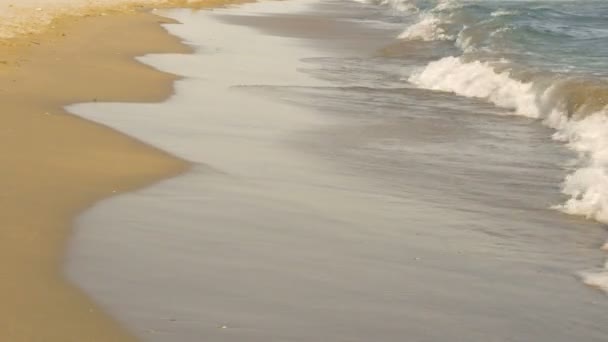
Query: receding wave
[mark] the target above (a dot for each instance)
(577, 108)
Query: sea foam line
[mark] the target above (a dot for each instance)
(583, 130)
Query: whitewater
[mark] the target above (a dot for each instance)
(539, 59)
(363, 171)
(565, 91)
(21, 17)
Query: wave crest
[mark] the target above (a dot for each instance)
(576, 109)
(503, 13)
(427, 29)
(24, 17)
(479, 80)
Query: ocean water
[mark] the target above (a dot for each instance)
(365, 171)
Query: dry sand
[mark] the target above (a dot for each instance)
(18, 17)
(54, 165)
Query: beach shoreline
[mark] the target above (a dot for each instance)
(55, 164)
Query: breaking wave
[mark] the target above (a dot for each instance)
(546, 63)
(430, 24)
(577, 108)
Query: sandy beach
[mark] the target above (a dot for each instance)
(330, 200)
(54, 165)
(303, 170)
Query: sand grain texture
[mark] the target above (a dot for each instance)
(54, 165)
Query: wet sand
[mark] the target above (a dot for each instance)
(329, 202)
(54, 165)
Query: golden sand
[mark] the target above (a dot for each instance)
(54, 165)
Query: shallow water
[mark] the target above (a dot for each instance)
(330, 199)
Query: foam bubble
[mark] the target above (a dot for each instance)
(445, 5)
(406, 6)
(32, 16)
(479, 80)
(502, 13)
(583, 131)
(597, 279)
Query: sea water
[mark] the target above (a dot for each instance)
(377, 171)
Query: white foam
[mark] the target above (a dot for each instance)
(444, 5)
(598, 279)
(479, 80)
(427, 29)
(587, 186)
(502, 12)
(19, 17)
(406, 6)
(429, 25)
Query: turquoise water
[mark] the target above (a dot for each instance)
(544, 60)
(560, 45)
